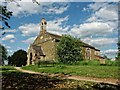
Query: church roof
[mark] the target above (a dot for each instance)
(38, 49)
(54, 35)
(83, 43)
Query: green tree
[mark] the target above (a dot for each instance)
(5, 15)
(118, 50)
(19, 58)
(69, 50)
(3, 54)
(9, 60)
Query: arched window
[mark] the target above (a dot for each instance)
(88, 53)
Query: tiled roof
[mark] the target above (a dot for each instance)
(59, 37)
(83, 44)
(54, 35)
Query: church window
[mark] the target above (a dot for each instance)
(36, 54)
(88, 56)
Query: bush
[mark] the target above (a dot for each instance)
(68, 50)
(94, 62)
(45, 63)
(83, 63)
(90, 62)
(112, 63)
(97, 63)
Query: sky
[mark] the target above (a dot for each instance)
(95, 23)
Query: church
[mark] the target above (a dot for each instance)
(44, 47)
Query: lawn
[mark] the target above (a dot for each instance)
(15, 80)
(82, 70)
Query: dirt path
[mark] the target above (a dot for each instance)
(62, 76)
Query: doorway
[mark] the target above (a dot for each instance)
(30, 58)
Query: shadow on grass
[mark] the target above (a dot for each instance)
(104, 86)
(6, 69)
(24, 81)
(15, 80)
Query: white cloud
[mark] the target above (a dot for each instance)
(97, 5)
(104, 12)
(89, 29)
(12, 41)
(110, 52)
(9, 51)
(10, 30)
(100, 42)
(53, 26)
(29, 29)
(27, 8)
(92, 19)
(29, 40)
(109, 12)
(8, 37)
(56, 8)
(56, 26)
(8, 47)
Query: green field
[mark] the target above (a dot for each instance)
(82, 70)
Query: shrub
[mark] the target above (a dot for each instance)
(94, 62)
(112, 63)
(68, 50)
(90, 62)
(45, 63)
(83, 63)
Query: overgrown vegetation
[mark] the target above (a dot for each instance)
(97, 63)
(68, 50)
(82, 62)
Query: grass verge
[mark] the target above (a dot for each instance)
(83, 70)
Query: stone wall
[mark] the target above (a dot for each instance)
(49, 49)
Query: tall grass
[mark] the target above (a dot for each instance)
(97, 63)
(83, 62)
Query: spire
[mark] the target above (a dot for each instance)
(43, 25)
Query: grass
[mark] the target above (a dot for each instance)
(15, 80)
(82, 70)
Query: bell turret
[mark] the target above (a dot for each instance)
(43, 25)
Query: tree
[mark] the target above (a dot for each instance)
(9, 60)
(5, 15)
(118, 50)
(3, 54)
(19, 58)
(69, 50)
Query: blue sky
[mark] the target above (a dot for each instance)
(94, 22)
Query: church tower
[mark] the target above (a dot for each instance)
(43, 25)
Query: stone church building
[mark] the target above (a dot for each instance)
(44, 47)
